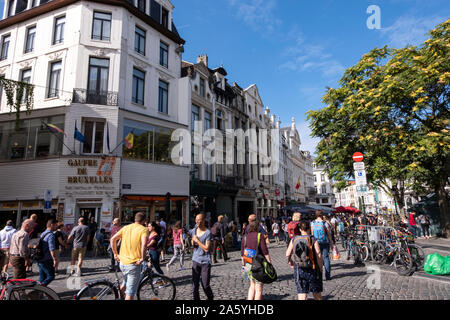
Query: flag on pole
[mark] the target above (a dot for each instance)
(78, 136)
(129, 140)
(54, 129)
(298, 184)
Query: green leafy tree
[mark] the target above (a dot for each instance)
(393, 106)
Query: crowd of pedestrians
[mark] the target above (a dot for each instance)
(309, 242)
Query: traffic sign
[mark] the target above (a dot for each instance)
(358, 166)
(360, 177)
(358, 157)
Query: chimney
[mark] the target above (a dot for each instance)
(278, 125)
(203, 58)
(293, 124)
(267, 111)
(272, 119)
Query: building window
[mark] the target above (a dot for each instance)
(11, 8)
(202, 87)
(195, 116)
(163, 97)
(141, 5)
(139, 40)
(322, 178)
(29, 43)
(34, 3)
(98, 81)
(54, 80)
(155, 10)
(208, 120)
(25, 76)
(164, 54)
(33, 140)
(58, 34)
(101, 26)
(138, 86)
(151, 143)
(5, 46)
(315, 178)
(219, 120)
(324, 189)
(93, 132)
(165, 18)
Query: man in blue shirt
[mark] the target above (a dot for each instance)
(47, 263)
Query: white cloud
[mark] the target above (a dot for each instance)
(257, 14)
(409, 30)
(306, 57)
(308, 143)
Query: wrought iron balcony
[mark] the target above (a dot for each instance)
(106, 98)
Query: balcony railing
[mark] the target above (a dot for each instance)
(106, 98)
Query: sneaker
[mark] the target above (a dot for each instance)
(182, 269)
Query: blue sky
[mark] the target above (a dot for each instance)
(294, 49)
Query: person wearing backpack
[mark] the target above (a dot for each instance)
(252, 243)
(305, 257)
(321, 231)
(293, 226)
(46, 257)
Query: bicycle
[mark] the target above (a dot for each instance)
(396, 253)
(24, 289)
(152, 286)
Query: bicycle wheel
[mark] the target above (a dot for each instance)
(98, 291)
(365, 253)
(403, 263)
(36, 292)
(156, 287)
(379, 253)
(418, 255)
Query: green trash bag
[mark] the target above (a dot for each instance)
(437, 264)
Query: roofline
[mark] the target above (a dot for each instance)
(57, 4)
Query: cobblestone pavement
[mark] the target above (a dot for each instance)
(348, 282)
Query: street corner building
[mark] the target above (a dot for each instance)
(106, 77)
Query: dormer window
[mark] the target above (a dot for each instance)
(165, 18)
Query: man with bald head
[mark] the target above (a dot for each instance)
(80, 236)
(252, 218)
(19, 252)
(114, 229)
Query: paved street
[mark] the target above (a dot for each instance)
(348, 281)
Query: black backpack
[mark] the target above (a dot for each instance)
(36, 247)
(262, 270)
(303, 255)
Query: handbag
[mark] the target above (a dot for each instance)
(262, 270)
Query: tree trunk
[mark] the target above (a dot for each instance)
(443, 210)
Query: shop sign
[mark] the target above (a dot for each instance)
(95, 176)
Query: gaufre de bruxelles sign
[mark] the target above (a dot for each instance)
(92, 176)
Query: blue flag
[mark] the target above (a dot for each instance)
(78, 136)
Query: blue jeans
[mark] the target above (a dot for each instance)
(286, 237)
(154, 256)
(325, 248)
(46, 272)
